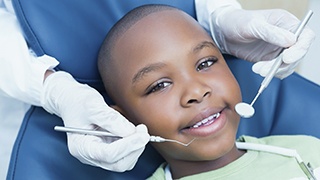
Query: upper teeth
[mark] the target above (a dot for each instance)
(213, 117)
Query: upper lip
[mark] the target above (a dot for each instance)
(202, 115)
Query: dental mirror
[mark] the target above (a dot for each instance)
(244, 110)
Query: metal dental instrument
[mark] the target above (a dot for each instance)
(108, 134)
(244, 109)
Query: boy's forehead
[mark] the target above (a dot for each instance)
(161, 23)
(165, 16)
(158, 36)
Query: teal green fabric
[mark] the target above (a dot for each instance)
(263, 165)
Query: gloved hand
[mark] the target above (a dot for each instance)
(80, 106)
(259, 35)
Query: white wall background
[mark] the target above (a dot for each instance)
(310, 66)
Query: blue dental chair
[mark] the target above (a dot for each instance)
(72, 31)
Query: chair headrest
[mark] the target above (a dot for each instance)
(72, 31)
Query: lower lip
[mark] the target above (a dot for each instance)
(208, 129)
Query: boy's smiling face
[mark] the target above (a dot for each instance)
(172, 78)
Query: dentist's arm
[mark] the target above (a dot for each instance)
(255, 35)
(31, 79)
(21, 73)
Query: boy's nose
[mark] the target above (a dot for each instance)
(195, 93)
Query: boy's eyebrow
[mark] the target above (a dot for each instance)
(203, 45)
(147, 69)
(152, 67)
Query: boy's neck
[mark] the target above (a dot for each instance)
(181, 169)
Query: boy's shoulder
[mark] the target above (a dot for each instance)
(308, 147)
(159, 174)
(285, 141)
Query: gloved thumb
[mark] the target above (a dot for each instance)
(262, 67)
(141, 128)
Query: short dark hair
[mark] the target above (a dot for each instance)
(105, 54)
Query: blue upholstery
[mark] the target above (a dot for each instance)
(72, 31)
(81, 26)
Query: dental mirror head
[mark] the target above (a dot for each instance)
(244, 110)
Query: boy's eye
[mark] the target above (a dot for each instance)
(157, 87)
(206, 63)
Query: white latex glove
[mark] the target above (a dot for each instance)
(259, 36)
(81, 106)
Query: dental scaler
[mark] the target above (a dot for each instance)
(157, 139)
(246, 110)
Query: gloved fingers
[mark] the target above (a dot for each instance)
(263, 67)
(269, 51)
(119, 149)
(129, 161)
(300, 48)
(93, 150)
(285, 72)
(278, 27)
(291, 56)
(286, 69)
(124, 164)
(272, 34)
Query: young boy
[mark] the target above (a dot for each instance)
(163, 70)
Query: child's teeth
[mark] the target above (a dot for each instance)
(205, 120)
(217, 115)
(213, 117)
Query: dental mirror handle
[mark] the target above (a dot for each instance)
(271, 73)
(278, 61)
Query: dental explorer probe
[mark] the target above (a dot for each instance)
(244, 109)
(108, 134)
